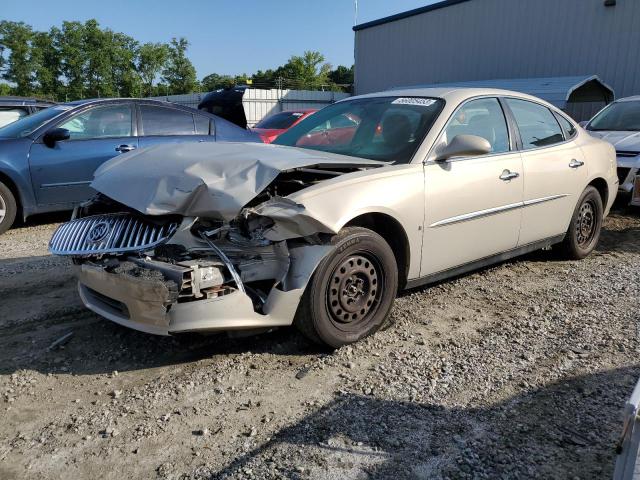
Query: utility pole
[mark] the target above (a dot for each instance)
(355, 12)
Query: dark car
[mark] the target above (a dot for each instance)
(226, 103)
(47, 159)
(14, 108)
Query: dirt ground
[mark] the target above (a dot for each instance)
(520, 370)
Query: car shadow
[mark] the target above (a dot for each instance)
(567, 429)
(44, 219)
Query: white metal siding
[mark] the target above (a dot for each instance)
(260, 103)
(488, 39)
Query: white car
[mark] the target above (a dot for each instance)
(619, 124)
(323, 227)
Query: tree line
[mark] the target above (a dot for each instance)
(83, 60)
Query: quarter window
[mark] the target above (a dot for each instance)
(100, 122)
(537, 125)
(484, 118)
(569, 128)
(165, 121)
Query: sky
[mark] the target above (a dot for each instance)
(227, 37)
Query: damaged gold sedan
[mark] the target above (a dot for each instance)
(321, 229)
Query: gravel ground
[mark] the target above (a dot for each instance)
(520, 370)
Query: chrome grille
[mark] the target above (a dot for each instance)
(110, 233)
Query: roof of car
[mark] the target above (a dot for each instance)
(633, 98)
(84, 101)
(448, 93)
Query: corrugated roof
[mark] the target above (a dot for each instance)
(555, 90)
(409, 13)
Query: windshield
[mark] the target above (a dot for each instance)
(617, 116)
(26, 125)
(279, 121)
(377, 128)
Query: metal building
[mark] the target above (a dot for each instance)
(474, 40)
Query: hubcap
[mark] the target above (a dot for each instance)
(586, 223)
(355, 289)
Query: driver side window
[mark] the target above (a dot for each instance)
(107, 121)
(484, 118)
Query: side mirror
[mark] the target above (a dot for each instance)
(464, 146)
(55, 135)
(584, 123)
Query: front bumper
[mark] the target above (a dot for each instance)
(150, 305)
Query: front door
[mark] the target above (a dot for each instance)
(62, 174)
(473, 205)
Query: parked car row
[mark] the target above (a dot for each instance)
(323, 227)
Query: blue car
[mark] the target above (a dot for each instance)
(47, 159)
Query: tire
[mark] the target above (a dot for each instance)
(363, 269)
(586, 223)
(8, 208)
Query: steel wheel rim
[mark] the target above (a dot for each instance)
(354, 292)
(586, 223)
(3, 209)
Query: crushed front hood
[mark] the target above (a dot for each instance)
(211, 180)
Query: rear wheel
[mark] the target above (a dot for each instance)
(351, 293)
(8, 208)
(586, 223)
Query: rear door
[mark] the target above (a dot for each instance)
(160, 124)
(61, 174)
(473, 204)
(554, 170)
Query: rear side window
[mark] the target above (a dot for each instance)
(165, 121)
(483, 118)
(569, 129)
(537, 125)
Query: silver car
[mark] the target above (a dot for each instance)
(369, 196)
(619, 124)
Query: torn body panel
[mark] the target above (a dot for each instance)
(195, 295)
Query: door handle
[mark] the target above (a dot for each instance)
(575, 163)
(125, 148)
(509, 175)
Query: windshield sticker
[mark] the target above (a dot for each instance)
(423, 102)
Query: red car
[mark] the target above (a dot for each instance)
(270, 127)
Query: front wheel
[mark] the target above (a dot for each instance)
(586, 223)
(351, 293)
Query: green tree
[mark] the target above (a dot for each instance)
(16, 37)
(46, 63)
(308, 71)
(179, 72)
(70, 43)
(152, 60)
(214, 81)
(97, 46)
(124, 55)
